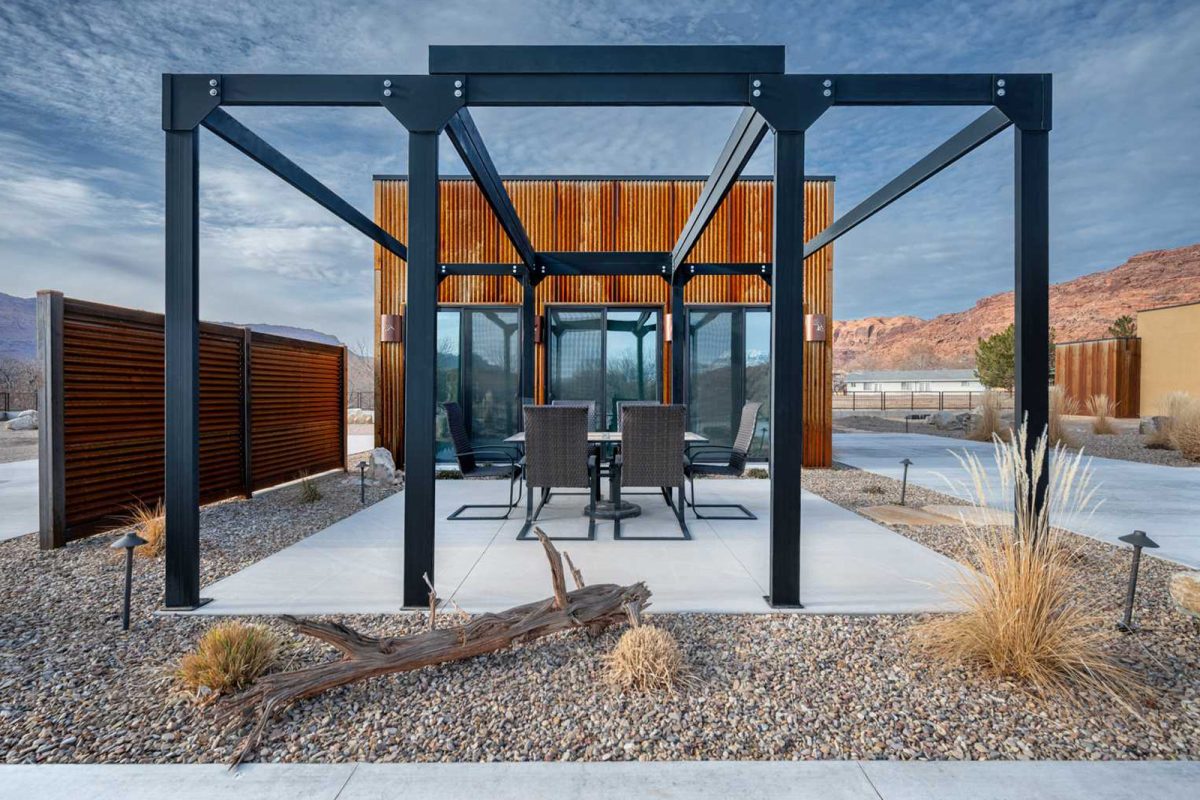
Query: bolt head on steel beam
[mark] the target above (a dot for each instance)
(423, 103)
(1024, 99)
(188, 99)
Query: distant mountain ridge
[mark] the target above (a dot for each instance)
(1081, 308)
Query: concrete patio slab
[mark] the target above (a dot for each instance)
(1159, 500)
(698, 780)
(18, 498)
(849, 565)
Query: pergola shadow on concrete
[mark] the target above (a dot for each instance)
(750, 77)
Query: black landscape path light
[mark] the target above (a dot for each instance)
(362, 482)
(1138, 539)
(128, 541)
(904, 481)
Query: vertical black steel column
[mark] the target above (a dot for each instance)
(420, 354)
(787, 368)
(678, 343)
(528, 360)
(182, 354)
(1032, 289)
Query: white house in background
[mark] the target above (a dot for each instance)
(914, 380)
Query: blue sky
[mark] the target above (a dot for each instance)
(81, 144)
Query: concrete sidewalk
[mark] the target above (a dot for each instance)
(745, 780)
(1159, 500)
(18, 498)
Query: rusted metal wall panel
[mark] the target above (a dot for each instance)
(112, 398)
(297, 397)
(1101, 366)
(599, 215)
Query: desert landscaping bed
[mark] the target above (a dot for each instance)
(1124, 446)
(74, 688)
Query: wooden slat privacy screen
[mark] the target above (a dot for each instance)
(1101, 366)
(604, 214)
(109, 397)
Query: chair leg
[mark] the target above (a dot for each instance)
(524, 532)
(744, 515)
(680, 515)
(615, 477)
(458, 513)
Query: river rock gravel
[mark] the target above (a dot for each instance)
(74, 688)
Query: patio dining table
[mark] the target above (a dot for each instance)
(609, 509)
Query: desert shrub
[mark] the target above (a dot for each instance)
(1061, 405)
(646, 658)
(990, 422)
(1026, 617)
(757, 472)
(1170, 406)
(227, 659)
(309, 492)
(1102, 409)
(150, 523)
(1184, 428)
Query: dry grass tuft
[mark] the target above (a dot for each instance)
(1026, 618)
(227, 659)
(1170, 406)
(309, 493)
(150, 523)
(1185, 427)
(990, 424)
(647, 658)
(1061, 405)
(1102, 410)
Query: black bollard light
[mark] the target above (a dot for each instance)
(904, 482)
(128, 541)
(1138, 539)
(362, 482)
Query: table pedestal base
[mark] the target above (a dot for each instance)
(607, 509)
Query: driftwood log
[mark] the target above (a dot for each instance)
(588, 608)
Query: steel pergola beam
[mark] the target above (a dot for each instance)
(251, 144)
(602, 263)
(467, 141)
(483, 270)
(983, 129)
(605, 59)
(739, 147)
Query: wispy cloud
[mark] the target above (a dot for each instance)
(81, 149)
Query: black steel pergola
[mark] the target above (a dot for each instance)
(749, 77)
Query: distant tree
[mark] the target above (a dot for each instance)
(1123, 327)
(996, 357)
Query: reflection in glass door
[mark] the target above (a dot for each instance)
(729, 364)
(605, 355)
(479, 366)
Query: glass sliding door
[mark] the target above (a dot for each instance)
(479, 366)
(729, 364)
(605, 355)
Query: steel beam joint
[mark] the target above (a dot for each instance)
(791, 102)
(1024, 99)
(188, 99)
(423, 103)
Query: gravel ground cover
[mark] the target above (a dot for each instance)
(1125, 446)
(17, 445)
(74, 688)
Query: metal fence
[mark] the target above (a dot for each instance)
(17, 401)
(363, 400)
(915, 401)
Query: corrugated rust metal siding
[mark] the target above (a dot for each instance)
(297, 392)
(1101, 366)
(599, 215)
(112, 398)
(113, 413)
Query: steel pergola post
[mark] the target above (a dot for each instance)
(420, 356)
(678, 343)
(182, 356)
(1032, 295)
(527, 346)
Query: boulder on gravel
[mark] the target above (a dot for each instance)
(25, 421)
(949, 420)
(1152, 424)
(382, 467)
(1185, 591)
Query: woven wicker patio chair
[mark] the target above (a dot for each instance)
(557, 455)
(723, 460)
(489, 462)
(651, 455)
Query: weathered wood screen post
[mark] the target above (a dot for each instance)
(52, 503)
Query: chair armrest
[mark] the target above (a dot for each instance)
(693, 452)
(497, 454)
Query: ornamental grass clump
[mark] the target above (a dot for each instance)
(990, 422)
(227, 659)
(1061, 405)
(1026, 617)
(1184, 430)
(150, 523)
(1102, 410)
(309, 493)
(646, 658)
